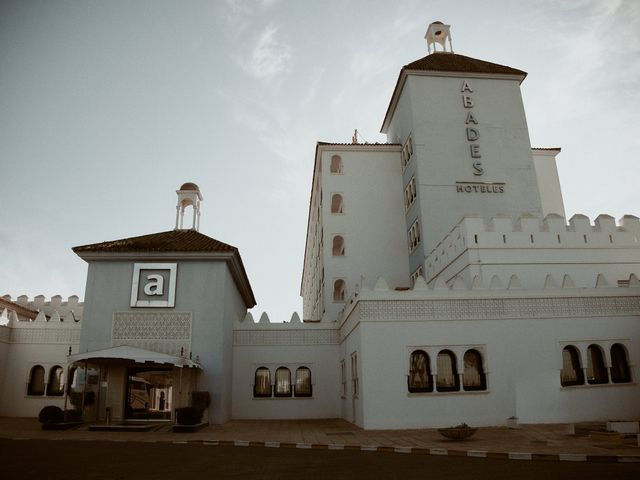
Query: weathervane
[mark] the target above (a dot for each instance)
(438, 32)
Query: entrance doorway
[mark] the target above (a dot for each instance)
(149, 393)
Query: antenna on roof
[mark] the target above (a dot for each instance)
(356, 134)
(438, 32)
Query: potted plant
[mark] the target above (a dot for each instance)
(457, 433)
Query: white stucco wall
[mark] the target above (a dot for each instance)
(372, 223)
(546, 168)
(522, 356)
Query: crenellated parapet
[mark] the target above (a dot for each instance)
(530, 244)
(249, 332)
(39, 309)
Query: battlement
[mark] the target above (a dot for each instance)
(39, 309)
(531, 232)
(265, 322)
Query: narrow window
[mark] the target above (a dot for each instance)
(620, 372)
(338, 290)
(283, 382)
(336, 164)
(303, 382)
(354, 374)
(343, 379)
(36, 381)
(420, 378)
(571, 373)
(596, 371)
(55, 387)
(262, 383)
(338, 246)
(336, 203)
(473, 377)
(447, 379)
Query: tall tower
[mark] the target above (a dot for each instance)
(188, 195)
(466, 148)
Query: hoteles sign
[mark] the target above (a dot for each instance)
(480, 187)
(154, 285)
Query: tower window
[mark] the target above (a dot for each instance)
(407, 153)
(414, 236)
(337, 204)
(336, 164)
(338, 246)
(339, 290)
(410, 193)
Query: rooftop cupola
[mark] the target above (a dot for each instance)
(188, 195)
(438, 32)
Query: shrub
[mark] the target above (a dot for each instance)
(51, 414)
(188, 415)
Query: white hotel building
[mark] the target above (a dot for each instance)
(441, 284)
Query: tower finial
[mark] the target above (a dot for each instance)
(188, 194)
(438, 32)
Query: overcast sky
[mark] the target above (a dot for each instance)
(106, 107)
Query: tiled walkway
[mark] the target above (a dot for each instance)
(527, 442)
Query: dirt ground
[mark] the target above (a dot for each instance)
(86, 460)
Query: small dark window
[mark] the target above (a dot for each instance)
(620, 372)
(262, 383)
(420, 378)
(571, 373)
(473, 377)
(283, 382)
(447, 379)
(337, 204)
(596, 370)
(36, 381)
(302, 387)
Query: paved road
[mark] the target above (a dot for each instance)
(61, 459)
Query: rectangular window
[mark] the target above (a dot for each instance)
(415, 275)
(407, 153)
(354, 374)
(343, 379)
(410, 193)
(414, 236)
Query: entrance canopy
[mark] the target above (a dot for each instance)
(132, 354)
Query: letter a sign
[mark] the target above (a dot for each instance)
(154, 285)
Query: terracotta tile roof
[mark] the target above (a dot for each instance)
(452, 62)
(360, 144)
(170, 241)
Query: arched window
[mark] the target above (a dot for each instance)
(620, 372)
(571, 373)
(596, 370)
(262, 383)
(339, 290)
(420, 378)
(473, 377)
(338, 246)
(72, 380)
(55, 387)
(447, 379)
(336, 164)
(36, 381)
(336, 203)
(302, 387)
(283, 382)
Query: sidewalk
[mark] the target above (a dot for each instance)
(529, 442)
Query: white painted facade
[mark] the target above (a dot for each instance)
(441, 284)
